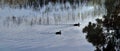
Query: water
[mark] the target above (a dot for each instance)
(28, 29)
(54, 16)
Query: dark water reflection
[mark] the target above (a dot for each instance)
(105, 34)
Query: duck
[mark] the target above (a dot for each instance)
(78, 24)
(58, 33)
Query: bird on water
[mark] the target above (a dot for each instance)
(58, 33)
(78, 24)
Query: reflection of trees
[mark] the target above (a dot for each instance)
(105, 34)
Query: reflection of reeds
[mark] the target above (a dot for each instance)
(57, 14)
(33, 21)
(40, 3)
(56, 18)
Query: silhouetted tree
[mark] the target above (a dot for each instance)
(96, 32)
